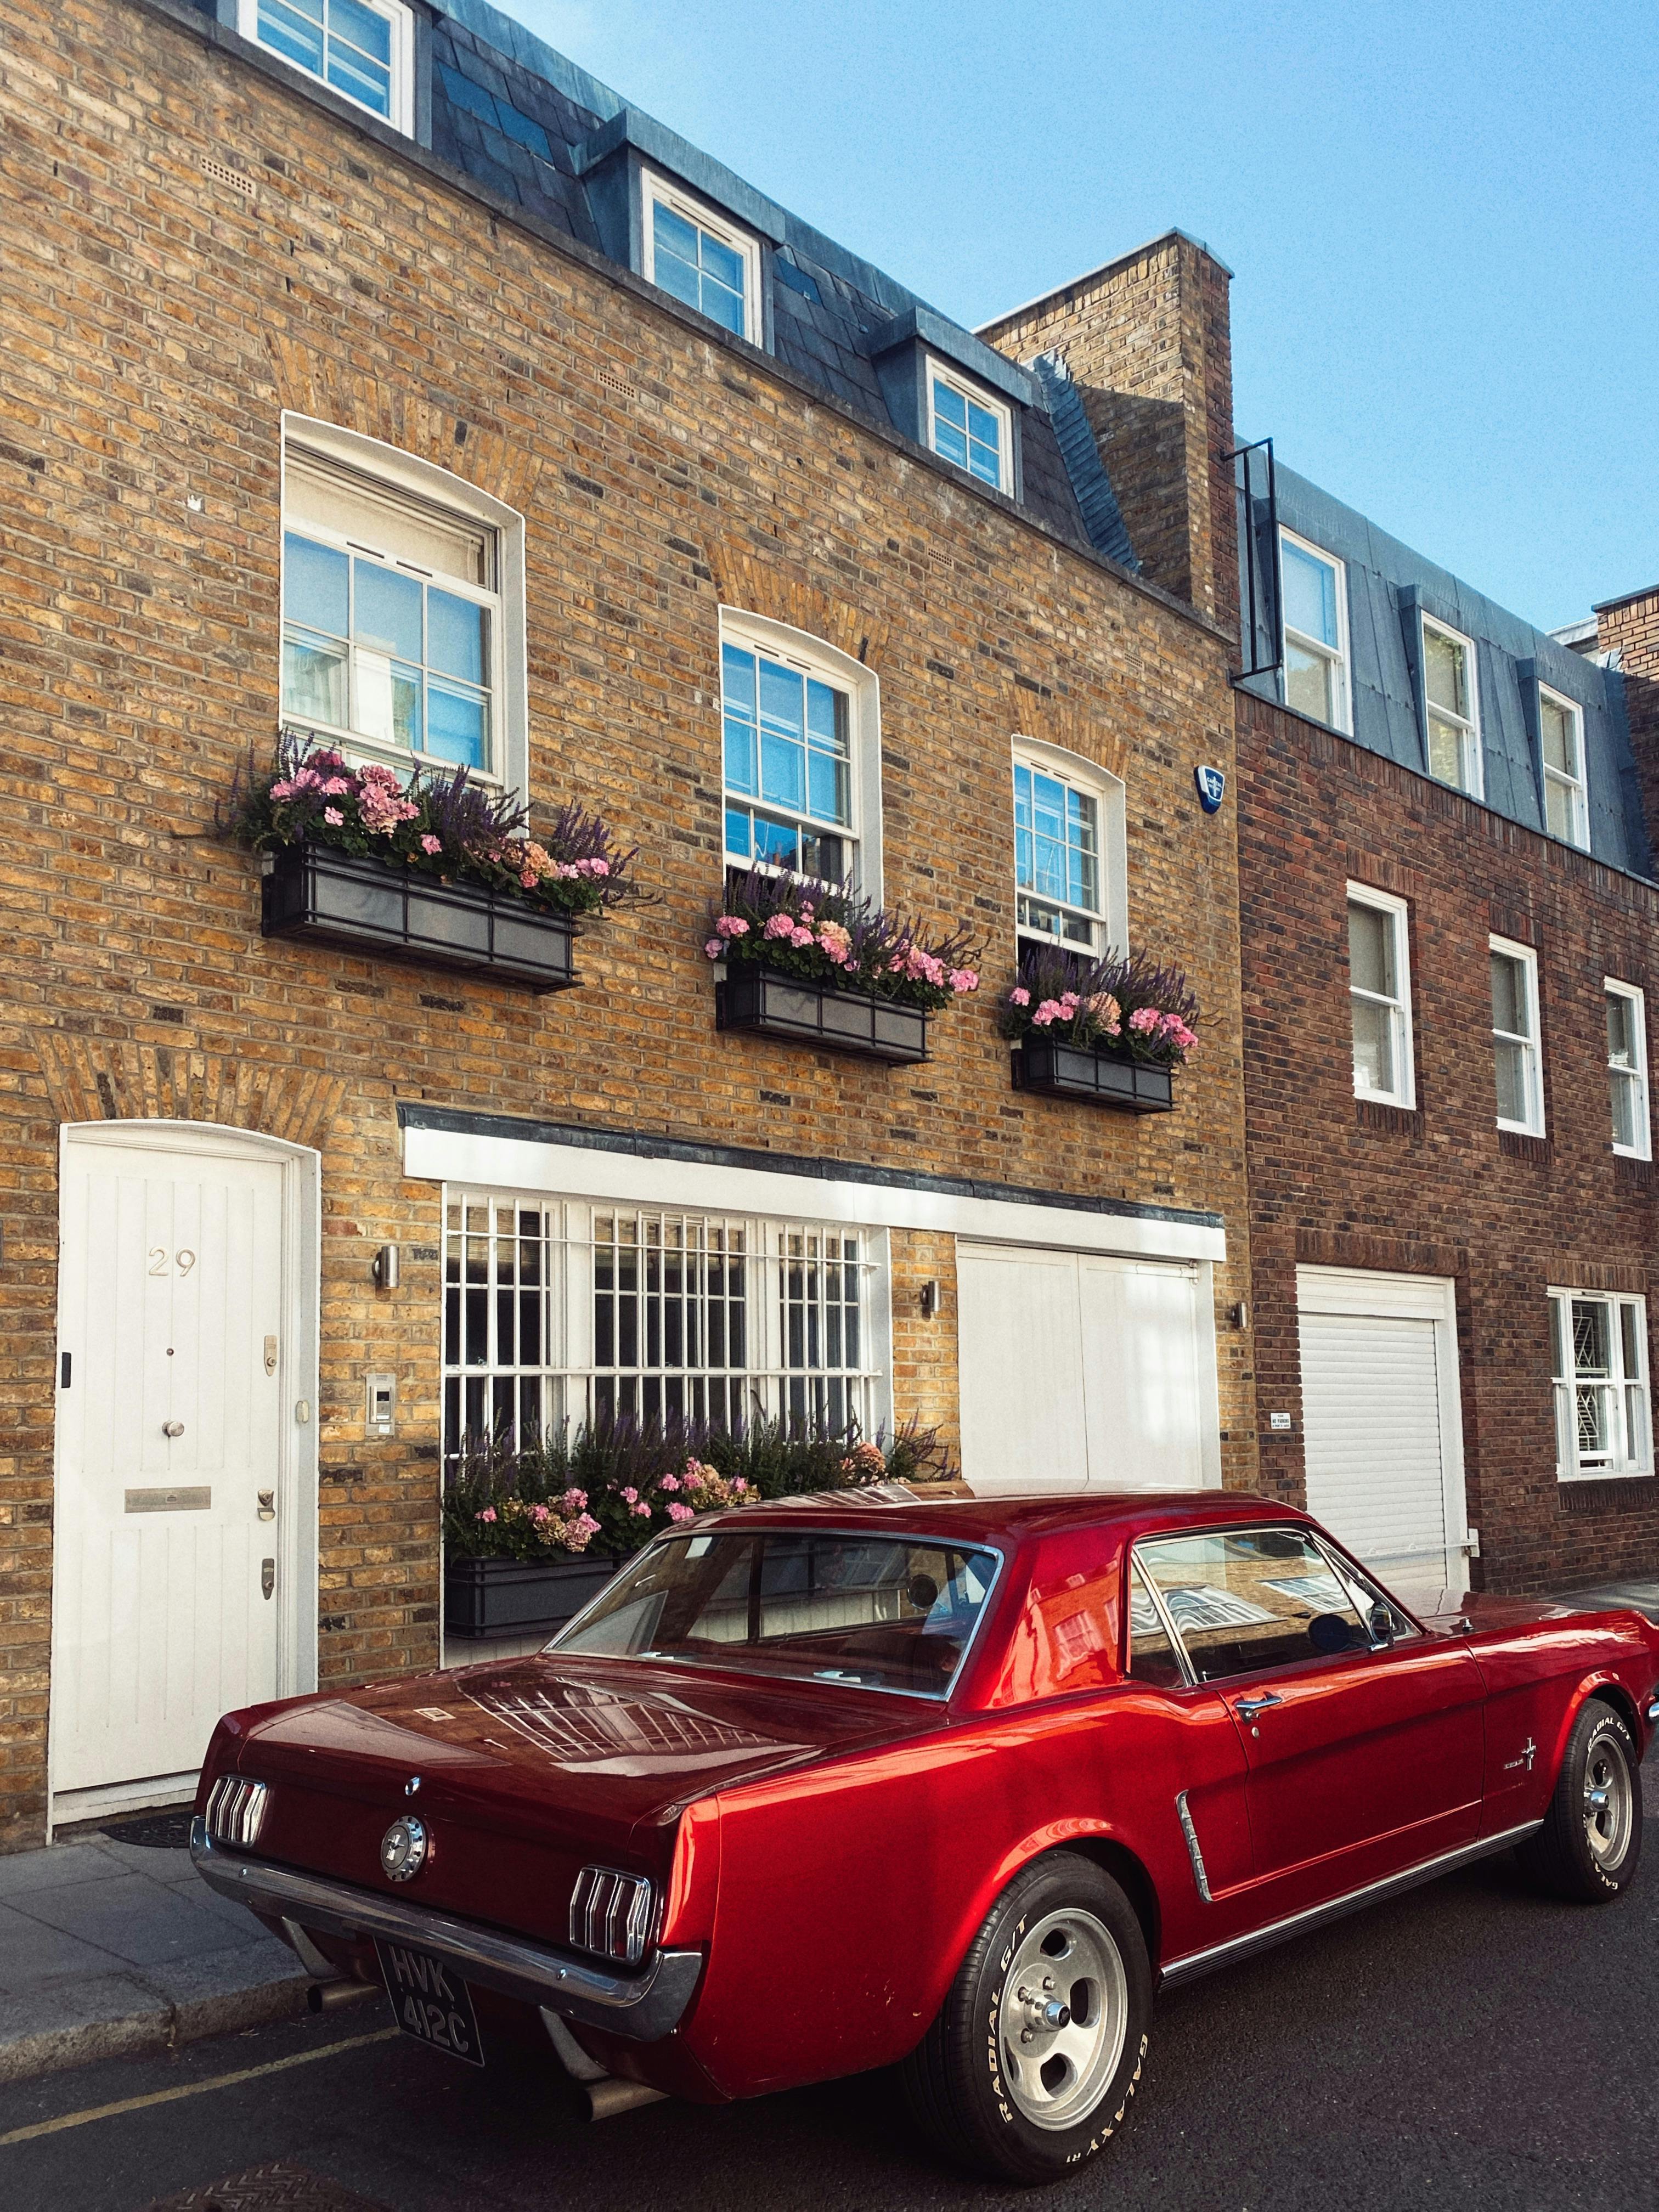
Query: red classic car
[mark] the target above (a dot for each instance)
(954, 1785)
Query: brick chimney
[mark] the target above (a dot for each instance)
(1628, 630)
(1148, 344)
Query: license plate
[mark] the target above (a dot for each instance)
(431, 2000)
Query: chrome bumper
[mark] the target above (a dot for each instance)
(643, 2006)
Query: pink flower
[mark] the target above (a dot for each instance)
(337, 786)
(431, 844)
(573, 1501)
(333, 816)
(1019, 996)
(539, 1513)
(1050, 1011)
(1144, 1020)
(836, 941)
(739, 1487)
(669, 1482)
(630, 1496)
(731, 925)
(489, 1513)
(596, 867)
(677, 1513)
(964, 979)
(800, 938)
(284, 789)
(713, 949)
(780, 925)
(641, 1512)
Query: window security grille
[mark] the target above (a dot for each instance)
(1599, 1366)
(557, 1311)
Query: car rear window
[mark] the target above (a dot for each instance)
(875, 1613)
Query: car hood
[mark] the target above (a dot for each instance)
(607, 1742)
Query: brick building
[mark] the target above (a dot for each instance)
(1450, 933)
(395, 285)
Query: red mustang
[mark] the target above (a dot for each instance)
(810, 1789)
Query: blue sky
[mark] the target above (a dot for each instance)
(1442, 219)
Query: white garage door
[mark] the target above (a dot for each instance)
(1081, 1372)
(1382, 1427)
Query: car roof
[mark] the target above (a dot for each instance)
(1005, 1521)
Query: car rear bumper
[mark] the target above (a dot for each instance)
(643, 2007)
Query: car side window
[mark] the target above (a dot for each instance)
(1251, 1598)
(1152, 1658)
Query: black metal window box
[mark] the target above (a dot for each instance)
(759, 999)
(1102, 1074)
(338, 898)
(520, 1597)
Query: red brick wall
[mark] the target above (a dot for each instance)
(1336, 1183)
(155, 322)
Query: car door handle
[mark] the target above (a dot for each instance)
(1248, 1708)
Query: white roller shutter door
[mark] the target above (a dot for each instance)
(1382, 1422)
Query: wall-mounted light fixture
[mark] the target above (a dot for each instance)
(930, 1299)
(1240, 1315)
(385, 1269)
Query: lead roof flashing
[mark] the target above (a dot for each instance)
(940, 336)
(666, 149)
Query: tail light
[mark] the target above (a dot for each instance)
(610, 1914)
(235, 1810)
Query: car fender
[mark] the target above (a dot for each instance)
(1055, 1836)
(1600, 1682)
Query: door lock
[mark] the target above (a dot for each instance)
(1248, 1708)
(172, 1428)
(267, 1577)
(271, 1355)
(267, 1506)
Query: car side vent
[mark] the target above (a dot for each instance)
(610, 1914)
(236, 1810)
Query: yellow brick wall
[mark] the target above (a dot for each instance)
(155, 323)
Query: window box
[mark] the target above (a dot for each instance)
(1103, 1075)
(316, 891)
(756, 998)
(519, 1597)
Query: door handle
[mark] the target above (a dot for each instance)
(1248, 1708)
(267, 1506)
(172, 1428)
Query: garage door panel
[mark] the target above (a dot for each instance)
(1020, 1359)
(1375, 1389)
(1140, 1362)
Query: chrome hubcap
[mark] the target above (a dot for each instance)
(1062, 2018)
(1609, 1806)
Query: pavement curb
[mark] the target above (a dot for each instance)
(52, 2051)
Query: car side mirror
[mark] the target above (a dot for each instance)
(1380, 1621)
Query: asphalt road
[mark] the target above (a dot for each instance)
(1470, 2045)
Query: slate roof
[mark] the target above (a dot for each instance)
(1388, 584)
(514, 114)
(510, 111)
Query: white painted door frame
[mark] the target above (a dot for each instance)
(1364, 1293)
(295, 1530)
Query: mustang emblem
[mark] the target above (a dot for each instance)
(1529, 1751)
(403, 1849)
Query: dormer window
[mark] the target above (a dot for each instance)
(701, 258)
(364, 50)
(1454, 713)
(1561, 732)
(967, 426)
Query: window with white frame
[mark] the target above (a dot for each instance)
(702, 257)
(966, 425)
(1517, 1059)
(1067, 852)
(1627, 1070)
(1379, 997)
(1452, 702)
(392, 616)
(1603, 1423)
(1561, 736)
(801, 746)
(558, 1310)
(364, 50)
(1315, 596)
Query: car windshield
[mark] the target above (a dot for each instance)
(875, 1613)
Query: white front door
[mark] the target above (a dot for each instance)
(173, 1377)
(1382, 1422)
(1084, 1372)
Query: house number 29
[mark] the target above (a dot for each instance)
(158, 1261)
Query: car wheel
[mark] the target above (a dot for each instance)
(1591, 1837)
(1038, 2047)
